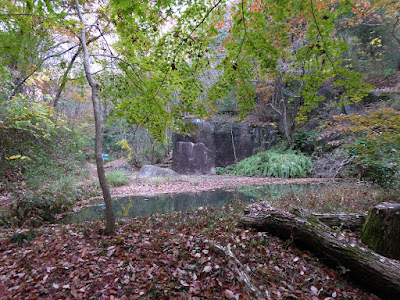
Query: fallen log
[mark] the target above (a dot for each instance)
(376, 273)
(352, 221)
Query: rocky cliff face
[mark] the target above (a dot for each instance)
(223, 144)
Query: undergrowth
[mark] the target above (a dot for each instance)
(289, 164)
(38, 198)
(117, 178)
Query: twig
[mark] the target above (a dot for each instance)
(320, 34)
(239, 269)
(179, 47)
(233, 145)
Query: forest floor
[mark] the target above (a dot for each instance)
(196, 183)
(171, 256)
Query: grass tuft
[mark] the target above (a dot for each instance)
(117, 178)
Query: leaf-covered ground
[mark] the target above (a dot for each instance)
(151, 186)
(162, 257)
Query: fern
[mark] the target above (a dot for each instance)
(272, 163)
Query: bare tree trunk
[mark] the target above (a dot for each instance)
(279, 105)
(110, 218)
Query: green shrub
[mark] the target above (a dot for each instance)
(228, 170)
(33, 137)
(305, 140)
(374, 144)
(287, 164)
(377, 162)
(117, 178)
(45, 195)
(34, 208)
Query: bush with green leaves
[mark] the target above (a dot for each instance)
(33, 207)
(41, 158)
(117, 178)
(377, 163)
(289, 164)
(305, 140)
(33, 135)
(374, 144)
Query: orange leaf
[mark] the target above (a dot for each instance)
(74, 293)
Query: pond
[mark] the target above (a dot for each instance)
(135, 206)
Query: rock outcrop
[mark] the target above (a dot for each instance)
(193, 159)
(218, 144)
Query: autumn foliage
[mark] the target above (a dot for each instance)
(376, 143)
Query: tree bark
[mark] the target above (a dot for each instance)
(376, 273)
(110, 218)
(382, 229)
(352, 221)
(349, 221)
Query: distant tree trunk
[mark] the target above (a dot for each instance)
(65, 77)
(110, 218)
(382, 229)
(287, 116)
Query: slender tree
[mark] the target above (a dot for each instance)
(110, 218)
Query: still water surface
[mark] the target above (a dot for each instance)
(135, 206)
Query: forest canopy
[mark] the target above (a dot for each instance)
(152, 64)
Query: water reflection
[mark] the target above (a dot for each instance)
(135, 206)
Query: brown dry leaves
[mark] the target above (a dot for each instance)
(163, 257)
(152, 186)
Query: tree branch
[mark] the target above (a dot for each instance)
(64, 78)
(184, 41)
(320, 34)
(238, 267)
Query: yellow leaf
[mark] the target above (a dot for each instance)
(15, 157)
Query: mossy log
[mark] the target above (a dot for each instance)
(350, 221)
(376, 273)
(382, 229)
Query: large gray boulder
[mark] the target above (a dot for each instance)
(122, 167)
(353, 108)
(193, 159)
(153, 171)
